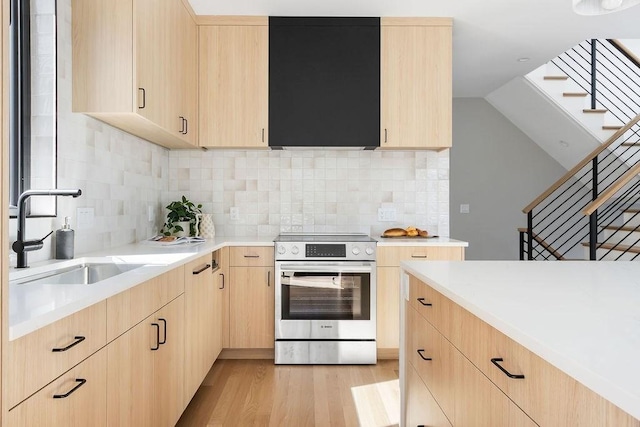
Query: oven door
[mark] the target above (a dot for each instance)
(325, 300)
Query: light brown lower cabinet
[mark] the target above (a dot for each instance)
(145, 380)
(451, 352)
(422, 408)
(252, 307)
(77, 398)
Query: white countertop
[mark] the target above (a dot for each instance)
(419, 241)
(32, 306)
(582, 317)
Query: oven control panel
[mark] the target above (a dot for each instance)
(347, 251)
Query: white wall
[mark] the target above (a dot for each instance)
(497, 170)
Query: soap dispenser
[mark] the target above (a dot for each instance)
(64, 241)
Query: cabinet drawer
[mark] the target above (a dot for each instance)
(422, 409)
(546, 394)
(432, 305)
(390, 256)
(431, 355)
(38, 358)
(251, 256)
(81, 398)
(130, 307)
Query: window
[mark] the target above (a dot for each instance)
(32, 112)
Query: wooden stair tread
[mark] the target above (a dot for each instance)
(630, 144)
(632, 210)
(595, 110)
(555, 77)
(575, 94)
(613, 227)
(626, 248)
(612, 127)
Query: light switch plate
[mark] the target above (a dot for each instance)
(84, 218)
(386, 214)
(464, 208)
(234, 213)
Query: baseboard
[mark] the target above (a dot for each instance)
(246, 353)
(388, 353)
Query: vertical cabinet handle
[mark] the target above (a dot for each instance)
(144, 98)
(495, 361)
(80, 382)
(222, 274)
(164, 323)
(157, 336)
(181, 125)
(426, 304)
(186, 126)
(420, 351)
(269, 278)
(77, 340)
(385, 135)
(262, 134)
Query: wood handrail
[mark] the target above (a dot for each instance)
(566, 177)
(626, 52)
(613, 189)
(544, 244)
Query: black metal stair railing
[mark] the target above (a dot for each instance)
(557, 228)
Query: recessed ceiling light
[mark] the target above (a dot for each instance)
(523, 59)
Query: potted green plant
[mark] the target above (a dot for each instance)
(181, 219)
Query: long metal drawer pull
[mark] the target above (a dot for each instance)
(252, 256)
(420, 350)
(426, 304)
(418, 256)
(144, 98)
(80, 382)
(206, 267)
(495, 361)
(222, 274)
(78, 339)
(164, 341)
(157, 337)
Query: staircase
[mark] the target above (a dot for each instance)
(593, 211)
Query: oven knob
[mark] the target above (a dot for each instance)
(369, 250)
(295, 250)
(355, 250)
(281, 249)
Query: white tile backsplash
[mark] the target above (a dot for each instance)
(314, 190)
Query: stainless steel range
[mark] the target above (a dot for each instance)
(325, 308)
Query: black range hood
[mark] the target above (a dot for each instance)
(324, 82)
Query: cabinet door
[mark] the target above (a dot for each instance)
(252, 303)
(77, 403)
(387, 312)
(234, 78)
(168, 365)
(186, 78)
(200, 295)
(130, 399)
(223, 279)
(416, 91)
(153, 43)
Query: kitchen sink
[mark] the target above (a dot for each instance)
(80, 274)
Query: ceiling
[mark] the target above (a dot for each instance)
(488, 36)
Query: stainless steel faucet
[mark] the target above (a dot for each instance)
(21, 246)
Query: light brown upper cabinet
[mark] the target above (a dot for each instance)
(234, 82)
(416, 83)
(134, 67)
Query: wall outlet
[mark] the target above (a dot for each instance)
(464, 208)
(84, 218)
(386, 214)
(234, 213)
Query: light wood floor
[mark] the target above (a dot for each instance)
(259, 393)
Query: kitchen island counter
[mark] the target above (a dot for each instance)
(581, 317)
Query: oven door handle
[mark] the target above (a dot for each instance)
(333, 268)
